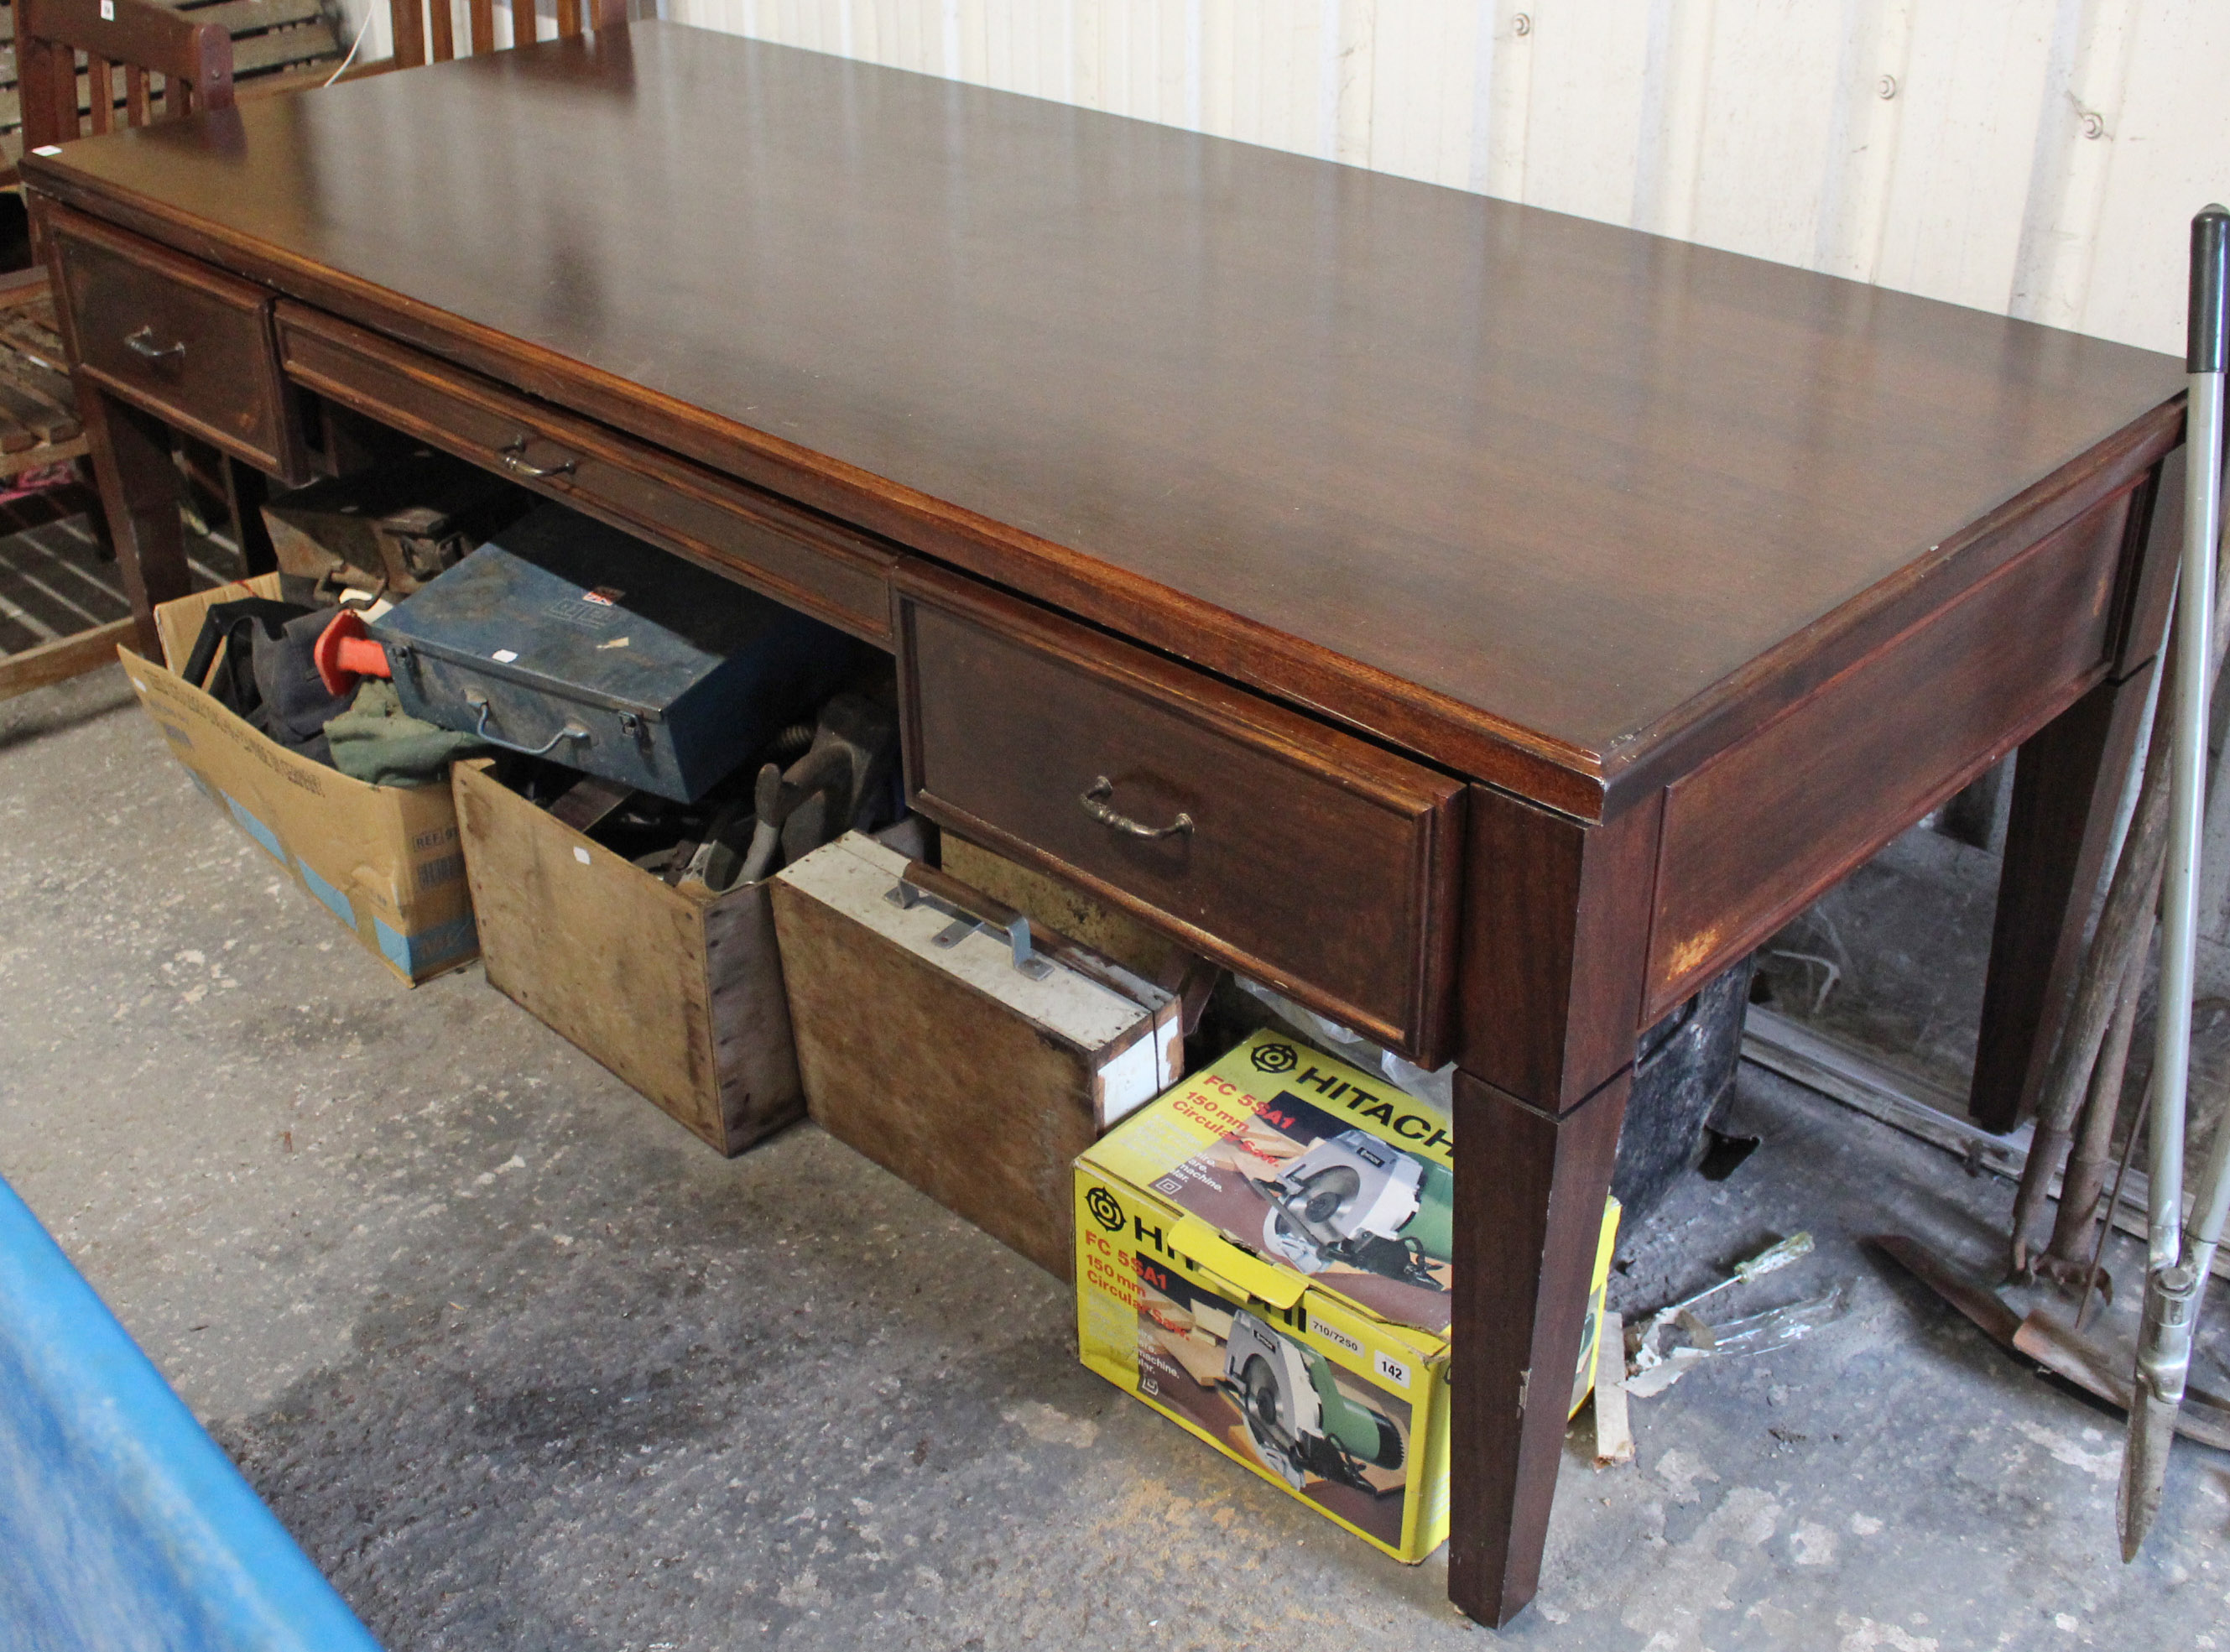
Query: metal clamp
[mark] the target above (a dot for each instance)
(142, 344)
(478, 701)
(514, 460)
(1094, 803)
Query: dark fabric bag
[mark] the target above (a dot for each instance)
(267, 675)
(233, 627)
(296, 706)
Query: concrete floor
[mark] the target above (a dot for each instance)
(523, 1365)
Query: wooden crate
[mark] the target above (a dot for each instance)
(678, 993)
(977, 1083)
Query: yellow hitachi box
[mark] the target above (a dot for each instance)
(1263, 1254)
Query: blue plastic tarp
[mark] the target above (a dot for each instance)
(122, 1524)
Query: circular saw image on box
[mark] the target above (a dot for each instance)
(1355, 1212)
(1356, 1200)
(1335, 1438)
(1301, 1422)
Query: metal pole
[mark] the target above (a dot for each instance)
(2171, 1288)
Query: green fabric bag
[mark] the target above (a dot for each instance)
(373, 740)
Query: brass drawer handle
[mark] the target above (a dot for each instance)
(1095, 804)
(514, 460)
(142, 344)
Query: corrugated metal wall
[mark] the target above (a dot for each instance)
(2035, 156)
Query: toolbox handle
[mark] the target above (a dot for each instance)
(920, 878)
(475, 700)
(1045, 947)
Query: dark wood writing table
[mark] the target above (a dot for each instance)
(1531, 614)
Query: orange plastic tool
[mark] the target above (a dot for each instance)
(344, 652)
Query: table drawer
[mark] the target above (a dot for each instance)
(807, 561)
(187, 342)
(1297, 855)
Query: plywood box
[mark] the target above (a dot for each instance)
(382, 860)
(923, 1044)
(676, 991)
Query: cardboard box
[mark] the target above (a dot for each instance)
(676, 991)
(1317, 1354)
(384, 860)
(932, 1043)
(1309, 1162)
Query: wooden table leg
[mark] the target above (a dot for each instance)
(139, 496)
(1556, 921)
(2067, 786)
(245, 490)
(1530, 1189)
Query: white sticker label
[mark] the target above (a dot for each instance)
(1394, 1371)
(581, 855)
(108, 11)
(504, 656)
(48, 149)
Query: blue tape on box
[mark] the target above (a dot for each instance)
(343, 908)
(256, 830)
(428, 948)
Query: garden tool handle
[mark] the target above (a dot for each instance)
(2190, 658)
(2208, 351)
(478, 701)
(2173, 1289)
(2205, 340)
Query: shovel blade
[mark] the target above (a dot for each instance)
(2144, 1467)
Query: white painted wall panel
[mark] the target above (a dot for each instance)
(1776, 82)
(2167, 146)
(1583, 137)
(2039, 157)
(1971, 92)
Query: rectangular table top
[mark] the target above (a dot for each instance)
(1547, 480)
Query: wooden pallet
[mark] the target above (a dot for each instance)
(62, 611)
(39, 423)
(62, 607)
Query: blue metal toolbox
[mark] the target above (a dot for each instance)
(568, 639)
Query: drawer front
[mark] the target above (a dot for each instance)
(1301, 856)
(189, 344)
(807, 561)
(1752, 836)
